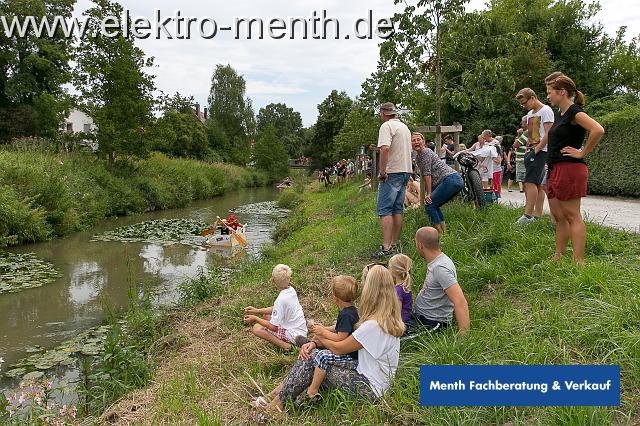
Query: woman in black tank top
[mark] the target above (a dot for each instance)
(568, 173)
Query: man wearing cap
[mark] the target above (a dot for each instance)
(394, 142)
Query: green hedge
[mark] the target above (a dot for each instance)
(614, 166)
(44, 195)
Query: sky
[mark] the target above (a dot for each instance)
(300, 73)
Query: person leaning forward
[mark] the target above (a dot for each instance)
(394, 141)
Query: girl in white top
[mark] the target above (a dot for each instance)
(377, 340)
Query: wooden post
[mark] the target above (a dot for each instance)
(374, 168)
(456, 141)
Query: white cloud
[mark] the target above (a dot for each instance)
(264, 88)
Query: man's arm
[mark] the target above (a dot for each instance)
(460, 307)
(384, 158)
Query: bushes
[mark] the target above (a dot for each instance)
(614, 166)
(45, 194)
(19, 220)
(289, 199)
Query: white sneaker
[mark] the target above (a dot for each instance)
(523, 220)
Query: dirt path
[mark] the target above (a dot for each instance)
(618, 213)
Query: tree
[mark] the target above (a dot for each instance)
(116, 90)
(33, 71)
(270, 154)
(331, 115)
(360, 129)
(485, 57)
(232, 113)
(177, 102)
(181, 134)
(288, 125)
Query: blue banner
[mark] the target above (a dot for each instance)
(520, 385)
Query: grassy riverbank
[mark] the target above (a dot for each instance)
(44, 195)
(524, 310)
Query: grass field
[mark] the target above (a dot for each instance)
(524, 309)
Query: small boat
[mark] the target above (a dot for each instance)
(228, 240)
(286, 183)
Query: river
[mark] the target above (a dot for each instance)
(95, 273)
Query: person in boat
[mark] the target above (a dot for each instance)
(229, 223)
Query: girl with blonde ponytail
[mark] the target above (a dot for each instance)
(400, 267)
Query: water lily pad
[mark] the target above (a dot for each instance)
(89, 342)
(20, 271)
(34, 375)
(33, 349)
(266, 208)
(163, 231)
(16, 372)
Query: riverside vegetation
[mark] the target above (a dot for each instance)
(524, 308)
(45, 195)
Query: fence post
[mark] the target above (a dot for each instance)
(374, 167)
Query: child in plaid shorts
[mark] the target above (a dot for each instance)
(283, 322)
(344, 292)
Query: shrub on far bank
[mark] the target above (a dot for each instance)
(44, 194)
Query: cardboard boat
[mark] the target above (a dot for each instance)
(219, 240)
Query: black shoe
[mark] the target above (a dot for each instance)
(381, 253)
(395, 249)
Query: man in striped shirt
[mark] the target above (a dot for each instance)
(520, 148)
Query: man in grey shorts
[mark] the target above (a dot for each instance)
(539, 121)
(441, 296)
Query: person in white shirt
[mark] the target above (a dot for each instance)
(376, 338)
(540, 119)
(284, 321)
(486, 155)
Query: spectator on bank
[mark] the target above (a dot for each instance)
(394, 141)
(441, 296)
(568, 173)
(283, 322)
(441, 182)
(449, 150)
(412, 194)
(539, 120)
(520, 150)
(510, 171)
(486, 155)
(496, 177)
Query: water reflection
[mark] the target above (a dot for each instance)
(87, 279)
(97, 273)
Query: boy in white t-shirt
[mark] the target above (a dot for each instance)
(283, 321)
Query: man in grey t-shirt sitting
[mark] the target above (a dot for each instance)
(441, 295)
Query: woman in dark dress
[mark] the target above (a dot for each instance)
(568, 173)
